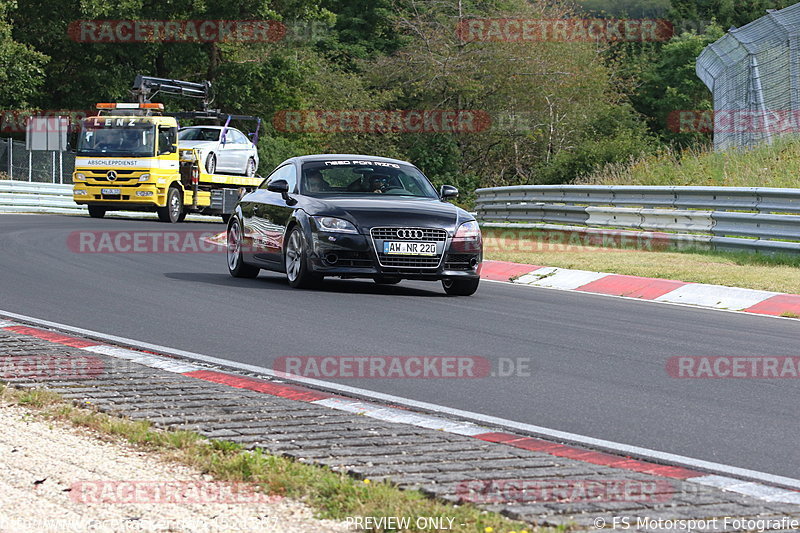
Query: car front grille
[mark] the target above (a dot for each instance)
(428, 234)
(379, 235)
(409, 261)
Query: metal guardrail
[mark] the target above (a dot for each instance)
(726, 218)
(23, 196)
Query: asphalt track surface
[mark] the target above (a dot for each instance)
(598, 364)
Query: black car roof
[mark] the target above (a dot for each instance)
(340, 157)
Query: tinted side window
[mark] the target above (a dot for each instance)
(166, 139)
(286, 172)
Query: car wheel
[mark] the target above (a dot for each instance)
(236, 265)
(97, 212)
(211, 163)
(460, 287)
(250, 170)
(296, 262)
(174, 209)
(387, 281)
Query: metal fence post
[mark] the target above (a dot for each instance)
(10, 158)
(30, 165)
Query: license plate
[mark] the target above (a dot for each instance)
(112, 191)
(409, 248)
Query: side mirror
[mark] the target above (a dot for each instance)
(279, 186)
(282, 187)
(448, 192)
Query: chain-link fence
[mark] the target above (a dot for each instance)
(19, 164)
(753, 73)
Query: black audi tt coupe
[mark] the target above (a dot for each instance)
(354, 216)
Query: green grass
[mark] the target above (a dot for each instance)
(779, 273)
(332, 495)
(765, 166)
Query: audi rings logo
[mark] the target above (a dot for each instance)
(111, 175)
(410, 234)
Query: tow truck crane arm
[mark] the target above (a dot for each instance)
(145, 87)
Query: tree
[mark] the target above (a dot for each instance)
(726, 13)
(21, 67)
(670, 85)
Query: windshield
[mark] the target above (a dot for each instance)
(323, 178)
(117, 137)
(199, 134)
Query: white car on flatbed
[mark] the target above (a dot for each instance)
(222, 150)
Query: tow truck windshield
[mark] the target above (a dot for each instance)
(117, 137)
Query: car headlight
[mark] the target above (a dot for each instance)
(334, 225)
(468, 237)
(144, 177)
(79, 177)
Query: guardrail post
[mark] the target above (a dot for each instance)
(30, 165)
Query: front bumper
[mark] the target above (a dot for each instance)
(354, 256)
(89, 194)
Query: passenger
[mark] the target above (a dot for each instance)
(315, 182)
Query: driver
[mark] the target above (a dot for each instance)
(377, 183)
(315, 182)
(129, 142)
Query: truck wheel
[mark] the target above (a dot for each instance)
(296, 261)
(250, 170)
(174, 208)
(96, 211)
(211, 163)
(236, 265)
(460, 287)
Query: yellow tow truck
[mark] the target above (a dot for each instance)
(128, 159)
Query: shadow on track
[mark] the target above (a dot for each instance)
(278, 282)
